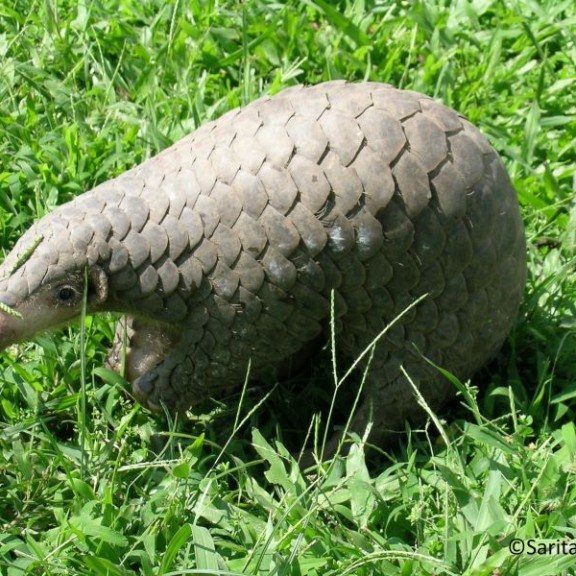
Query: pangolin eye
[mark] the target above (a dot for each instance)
(65, 294)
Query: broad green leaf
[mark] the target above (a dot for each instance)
(205, 551)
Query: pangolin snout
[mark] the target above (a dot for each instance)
(11, 326)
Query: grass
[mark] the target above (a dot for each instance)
(91, 484)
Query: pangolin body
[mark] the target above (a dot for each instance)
(226, 249)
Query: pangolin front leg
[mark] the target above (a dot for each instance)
(143, 352)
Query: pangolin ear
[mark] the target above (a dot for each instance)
(97, 286)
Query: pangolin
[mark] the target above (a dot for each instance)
(344, 207)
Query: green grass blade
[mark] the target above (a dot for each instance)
(180, 539)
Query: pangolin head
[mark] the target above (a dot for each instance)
(44, 278)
